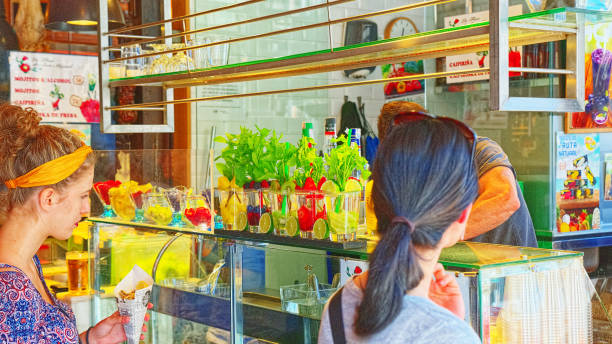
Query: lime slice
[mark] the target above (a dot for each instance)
(320, 229)
(329, 187)
(265, 223)
(352, 185)
(241, 221)
(288, 185)
(292, 227)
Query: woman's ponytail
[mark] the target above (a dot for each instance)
(393, 270)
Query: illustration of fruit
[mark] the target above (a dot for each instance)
(57, 95)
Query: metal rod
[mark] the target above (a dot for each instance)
(542, 27)
(303, 89)
(541, 70)
(161, 253)
(129, 36)
(171, 20)
(149, 109)
(248, 21)
(299, 28)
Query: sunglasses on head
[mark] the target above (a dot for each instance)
(415, 116)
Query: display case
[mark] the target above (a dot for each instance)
(225, 288)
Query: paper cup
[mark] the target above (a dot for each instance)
(136, 308)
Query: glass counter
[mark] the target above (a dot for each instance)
(225, 288)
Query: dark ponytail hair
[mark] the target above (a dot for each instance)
(423, 172)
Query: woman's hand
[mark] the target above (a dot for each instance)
(445, 292)
(110, 330)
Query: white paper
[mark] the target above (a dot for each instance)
(137, 308)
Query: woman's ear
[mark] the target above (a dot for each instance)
(47, 199)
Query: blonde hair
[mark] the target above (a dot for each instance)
(25, 145)
(389, 110)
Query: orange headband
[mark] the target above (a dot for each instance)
(51, 172)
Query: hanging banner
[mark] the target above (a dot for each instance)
(479, 59)
(577, 182)
(61, 88)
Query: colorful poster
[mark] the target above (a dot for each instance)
(350, 268)
(577, 182)
(597, 63)
(61, 88)
(396, 89)
(608, 177)
(479, 59)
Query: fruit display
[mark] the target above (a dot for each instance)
(197, 212)
(121, 202)
(311, 207)
(282, 205)
(176, 200)
(102, 189)
(258, 203)
(232, 204)
(157, 208)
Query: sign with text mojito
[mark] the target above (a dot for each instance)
(61, 88)
(473, 60)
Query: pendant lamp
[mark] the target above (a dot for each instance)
(81, 15)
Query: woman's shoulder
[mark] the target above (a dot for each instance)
(431, 318)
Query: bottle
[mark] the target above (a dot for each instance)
(8, 41)
(330, 134)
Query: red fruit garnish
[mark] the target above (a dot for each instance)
(309, 185)
(137, 196)
(102, 189)
(265, 184)
(321, 181)
(252, 184)
(305, 219)
(203, 214)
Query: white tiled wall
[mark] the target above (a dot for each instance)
(285, 112)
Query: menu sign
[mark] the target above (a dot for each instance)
(61, 88)
(577, 182)
(473, 60)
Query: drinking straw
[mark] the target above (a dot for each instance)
(211, 171)
(284, 205)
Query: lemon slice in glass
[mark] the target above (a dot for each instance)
(265, 223)
(241, 221)
(352, 185)
(292, 227)
(320, 229)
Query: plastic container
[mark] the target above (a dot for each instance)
(343, 215)
(233, 207)
(300, 299)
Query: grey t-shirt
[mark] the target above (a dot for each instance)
(518, 229)
(419, 322)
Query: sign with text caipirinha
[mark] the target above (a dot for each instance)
(481, 58)
(577, 182)
(61, 88)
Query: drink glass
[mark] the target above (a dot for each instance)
(343, 215)
(218, 55)
(133, 67)
(311, 207)
(78, 272)
(157, 208)
(197, 212)
(233, 209)
(258, 204)
(116, 70)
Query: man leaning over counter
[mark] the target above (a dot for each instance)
(499, 215)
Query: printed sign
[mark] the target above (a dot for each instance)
(61, 88)
(577, 182)
(479, 59)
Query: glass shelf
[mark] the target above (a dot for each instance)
(470, 255)
(538, 27)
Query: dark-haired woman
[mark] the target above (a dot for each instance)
(424, 187)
